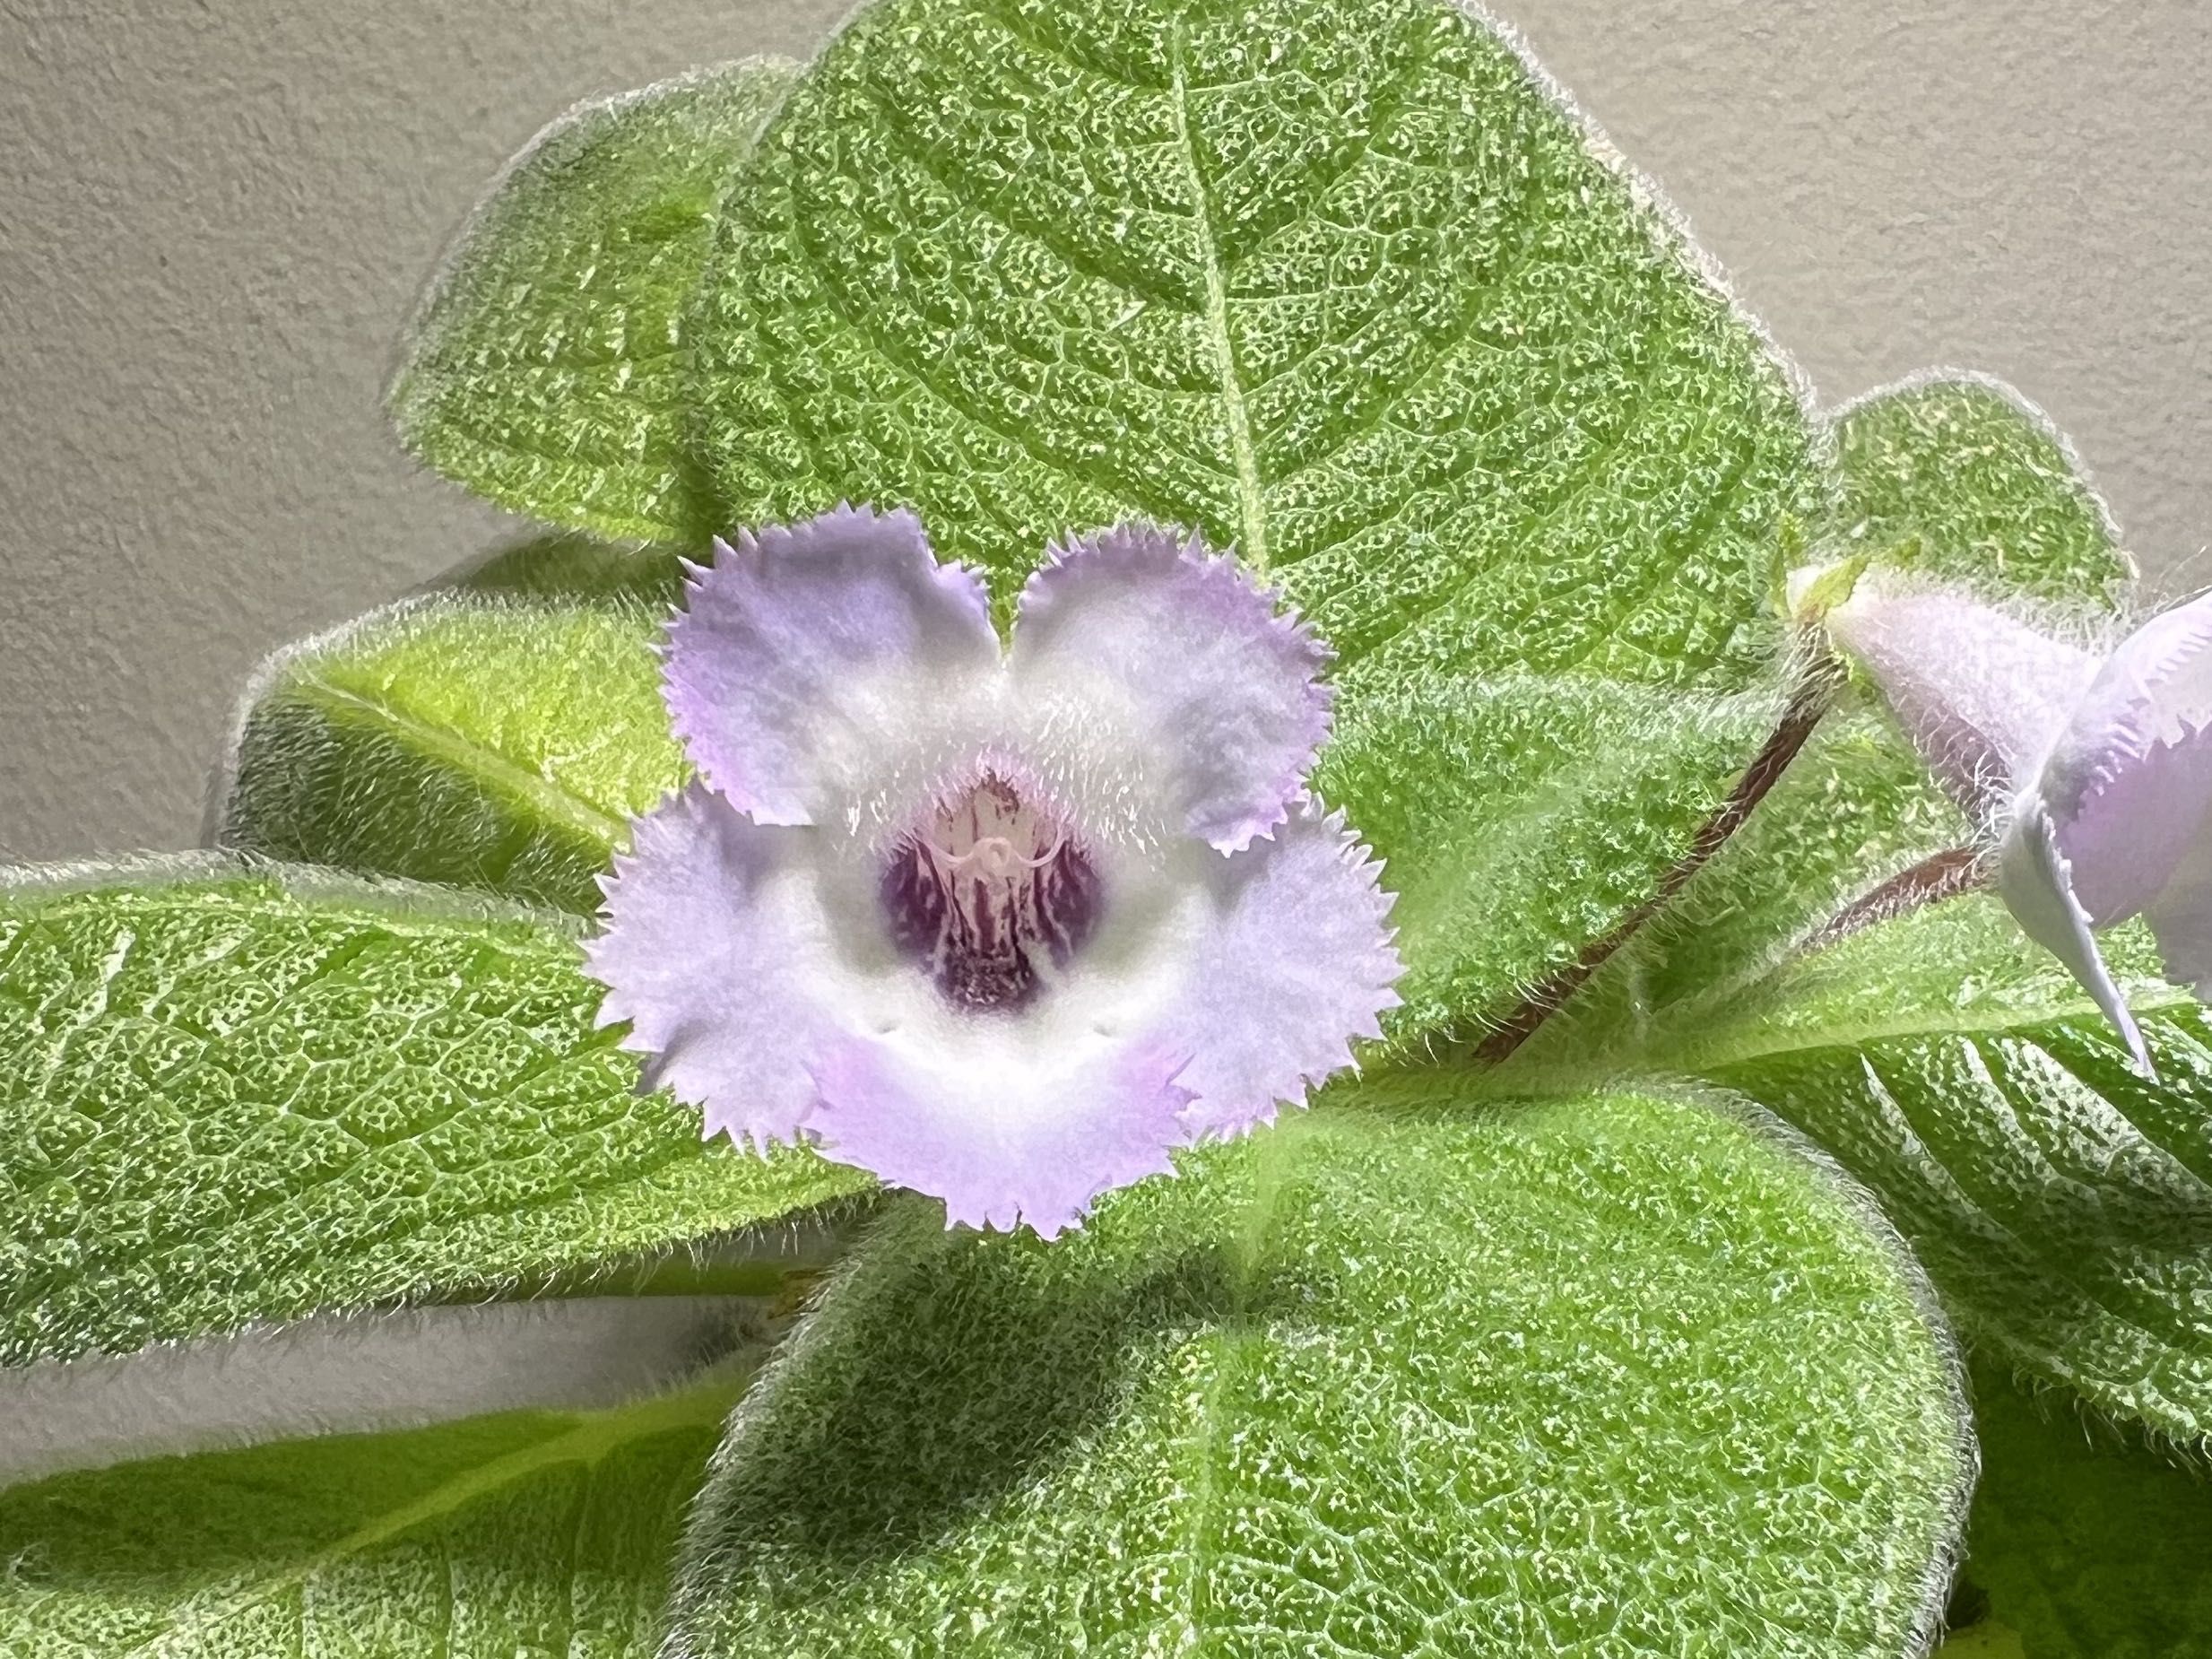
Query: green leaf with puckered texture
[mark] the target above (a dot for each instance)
(534, 1533)
(1994, 496)
(2087, 1545)
(1614, 1376)
(229, 1098)
(1509, 872)
(2061, 1203)
(1344, 285)
(1854, 809)
(495, 736)
(543, 368)
(1986, 1638)
(1990, 487)
(2047, 1195)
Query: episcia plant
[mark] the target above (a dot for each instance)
(1218, 886)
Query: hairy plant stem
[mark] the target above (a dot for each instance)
(1815, 692)
(1941, 875)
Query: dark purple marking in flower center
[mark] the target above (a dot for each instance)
(988, 891)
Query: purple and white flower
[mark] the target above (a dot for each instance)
(1004, 925)
(2091, 768)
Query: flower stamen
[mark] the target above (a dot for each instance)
(978, 901)
(994, 855)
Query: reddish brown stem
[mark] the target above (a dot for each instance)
(1942, 875)
(1811, 700)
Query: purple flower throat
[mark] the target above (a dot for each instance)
(1006, 920)
(991, 895)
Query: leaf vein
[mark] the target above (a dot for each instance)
(1252, 504)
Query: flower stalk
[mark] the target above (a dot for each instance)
(1813, 696)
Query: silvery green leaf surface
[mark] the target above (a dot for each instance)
(496, 735)
(1344, 285)
(1615, 1375)
(1993, 492)
(2061, 1203)
(1523, 816)
(1995, 497)
(544, 368)
(1854, 809)
(232, 1095)
(528, 1533)
(2085, 1545)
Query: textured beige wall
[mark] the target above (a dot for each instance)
(212, 218)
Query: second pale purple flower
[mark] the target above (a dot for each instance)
(1006, 926)
(2090, 770)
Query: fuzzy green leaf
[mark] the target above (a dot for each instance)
(531, 1534)
(229, 1098)
(2063, 1207)
(495, 736)
(2061, 1203)
(1993, 491)
(1994, 497)
(1854, 809)
(544, 368)
(1612, 1376)
(2087, 1546)
(1342, 284)
(1519, 817)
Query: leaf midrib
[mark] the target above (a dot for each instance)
(588, 1441)
(1251, 506)
(492, 769)
(1234, 1340)
(1851, 1038)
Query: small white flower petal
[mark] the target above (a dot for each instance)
(1140, 635)
(809, 656)
(1981, 695)
(1008, 1133)
(1293, 964)
(2033, 879)
(2181, 919)
(714, 930)
(2129, 783)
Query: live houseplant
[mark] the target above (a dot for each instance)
(1733, 1178)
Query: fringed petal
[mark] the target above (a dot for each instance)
(2033, 878)
(714, 951)
(1295, 963)
(807, 654)
(2180, 920)
(2129, 783)
(1144, 631)
(1007, 1135)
